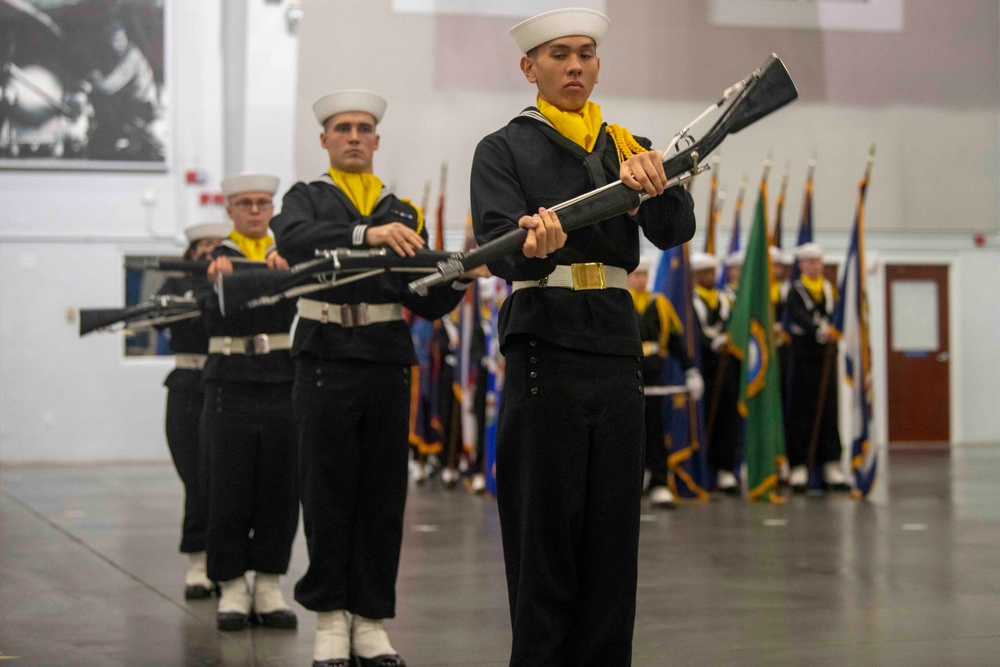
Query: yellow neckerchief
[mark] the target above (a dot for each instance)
(641, 300)
(775, 292)
(362, 189)
(709, 295)
(581, 127)
(254, 249)
(814, 286)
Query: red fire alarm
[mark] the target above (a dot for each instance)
(205, 198)
(979, 240)
(220, 199)
(195, 177)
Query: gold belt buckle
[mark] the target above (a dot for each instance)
(588, 276)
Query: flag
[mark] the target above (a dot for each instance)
(467, 371)
(494, 384)
(425, 421)
(850, 321)
(752, 341)
(734, 239)
(685, 419)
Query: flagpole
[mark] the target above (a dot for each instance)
(439, 229)
(775, 236)
(712, 216)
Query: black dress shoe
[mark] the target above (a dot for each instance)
(199, 592)
(283, 619)
(230, 621)
(333, 662)
(387, 660)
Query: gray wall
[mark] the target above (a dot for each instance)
(452, 79)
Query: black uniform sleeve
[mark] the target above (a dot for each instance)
(440, 300)
(296, 232)
(498, 202)
(668, 219)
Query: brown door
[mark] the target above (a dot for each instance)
(918, 353)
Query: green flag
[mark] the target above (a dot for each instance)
(751, 331)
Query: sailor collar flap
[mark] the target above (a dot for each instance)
(550, 131)
(592, 160)
(385, 194)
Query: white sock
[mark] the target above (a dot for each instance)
(267, 595)
(235, 596)
(333, 640)
(369, 638)
(197, 574)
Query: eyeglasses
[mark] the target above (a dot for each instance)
(249, 204)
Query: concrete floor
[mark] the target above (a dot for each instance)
(89, 575)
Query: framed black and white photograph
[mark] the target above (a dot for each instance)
(83, 85)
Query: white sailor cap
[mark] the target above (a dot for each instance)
(809, 251)
(207, 230)
(735, 259)
(560, 23)
(702, 260)
(777, 257)
(249, 182)
(644, 265)
(349, 100)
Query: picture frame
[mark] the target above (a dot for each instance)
(84, 85)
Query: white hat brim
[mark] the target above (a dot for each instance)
(809, 251)
(702, 261)
(207, 230)
(233, 185)
(343, 101)
(560, 23)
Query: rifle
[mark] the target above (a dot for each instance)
(193, 266)
(766, 90)
(155, 311)
(331, 268)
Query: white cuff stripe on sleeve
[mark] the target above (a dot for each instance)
(359, 234)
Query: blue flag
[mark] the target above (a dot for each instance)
(684, 419)
(850, 320)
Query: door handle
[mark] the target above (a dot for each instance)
(943, 356)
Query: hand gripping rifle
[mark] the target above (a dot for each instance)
(157, 310)
(764, 91)
(331, 268)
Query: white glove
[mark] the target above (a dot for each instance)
(823, 333)
(695, 384)
(719, 343)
